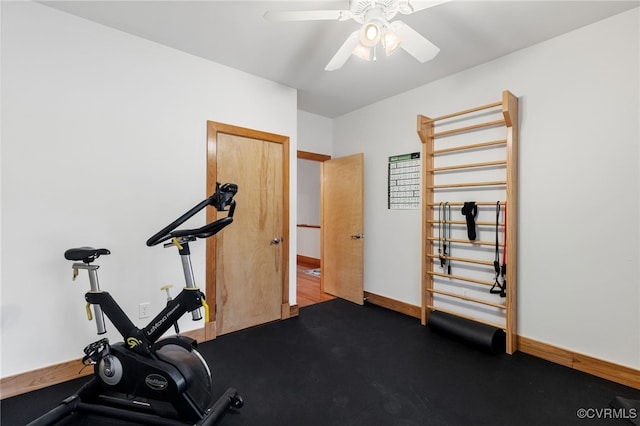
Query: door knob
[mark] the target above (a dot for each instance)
(357, 236)
(276, 241)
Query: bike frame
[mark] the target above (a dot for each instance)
(190, 299)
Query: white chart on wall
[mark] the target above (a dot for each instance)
(404, 182)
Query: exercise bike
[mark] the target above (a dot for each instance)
(145, 379)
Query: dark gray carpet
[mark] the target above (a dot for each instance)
(343, 364)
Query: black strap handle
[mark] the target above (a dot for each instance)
(470, 211)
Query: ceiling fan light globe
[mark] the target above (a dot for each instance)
(370, 34)
(362, 52)
(390, 42)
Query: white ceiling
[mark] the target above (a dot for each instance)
(234, 33)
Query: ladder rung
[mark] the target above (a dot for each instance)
(500, 122)
(468, 166)
(455, 240)
(461, 222)
(461, 259)
(472, 146)
(466, 185)
(467, 298)
(461, 278)
(478, 203)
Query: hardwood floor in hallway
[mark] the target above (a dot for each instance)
(308, 292)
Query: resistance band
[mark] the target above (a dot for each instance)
(503, 268)
(447, 207)
(441, 246)
(500, 270)
(444, 235)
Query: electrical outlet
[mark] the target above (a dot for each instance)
(144, 310)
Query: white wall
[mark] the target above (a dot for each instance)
(314, 133)
(103, 143)
(579, 184)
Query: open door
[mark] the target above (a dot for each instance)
(342, 224)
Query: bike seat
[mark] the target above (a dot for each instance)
(85, 254)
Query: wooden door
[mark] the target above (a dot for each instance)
(342, 224)
(247, 263)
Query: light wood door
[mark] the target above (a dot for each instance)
(250, 257)
(342, 242)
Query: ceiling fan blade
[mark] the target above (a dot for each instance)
(343, 54)
(410, 6)
(307, 15)
(414, 43)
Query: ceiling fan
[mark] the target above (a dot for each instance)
(375, 17)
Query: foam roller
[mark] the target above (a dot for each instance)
(481, 336)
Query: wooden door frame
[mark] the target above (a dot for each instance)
(213, 128)
(320, 158)
(312, 156)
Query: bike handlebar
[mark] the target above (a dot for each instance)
(220, 199)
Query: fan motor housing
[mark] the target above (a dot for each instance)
(360, 8)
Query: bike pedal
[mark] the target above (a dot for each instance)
(94, 351)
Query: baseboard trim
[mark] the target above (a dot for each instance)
(294, 311)
(42, 377)
(59, 373)
(597, 367)
(392, 304)
(306, 260)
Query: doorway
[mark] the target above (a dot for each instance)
(308, 229)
